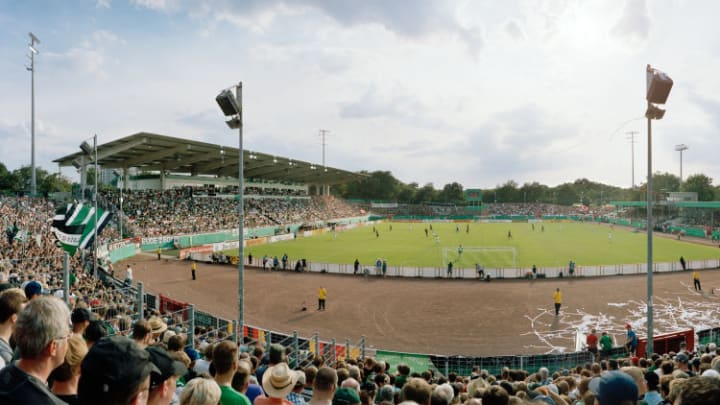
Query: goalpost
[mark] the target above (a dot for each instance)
(486, 256)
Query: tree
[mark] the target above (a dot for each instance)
(452, 193)
(508, 192)
(407, 192)
(665, 182)
(426, 194)
(700, 184)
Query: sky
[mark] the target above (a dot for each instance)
(478, 92)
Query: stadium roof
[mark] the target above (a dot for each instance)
(153, 152)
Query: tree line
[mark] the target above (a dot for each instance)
(383, 186)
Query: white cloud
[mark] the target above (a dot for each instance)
(634, 24)
(103, 4)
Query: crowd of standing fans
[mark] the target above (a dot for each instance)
(178, 211)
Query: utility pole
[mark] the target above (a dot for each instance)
(33, 40)
(631, 137)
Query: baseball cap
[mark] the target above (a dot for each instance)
(345, 396)
(681, 358)
(166, 365)
(615, 387)
(33, 288)
(80, 315)
(112, 365)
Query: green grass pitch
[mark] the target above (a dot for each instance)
(406, 245)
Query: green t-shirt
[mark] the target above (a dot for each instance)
(605, 342)
(229, 396)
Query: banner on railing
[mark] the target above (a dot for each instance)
(168, 304)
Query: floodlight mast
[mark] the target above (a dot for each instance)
(33, 51)
(231, 106)
(680, 148)
(659, 85)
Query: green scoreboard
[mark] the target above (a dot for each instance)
(473, 195)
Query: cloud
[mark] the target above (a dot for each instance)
(89, 56)
(102, 4)
(513, 29)
(634, 24)
(396, 104)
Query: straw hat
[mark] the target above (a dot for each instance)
(278, 380)
(157, 325)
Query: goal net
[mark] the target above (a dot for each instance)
(486, 256)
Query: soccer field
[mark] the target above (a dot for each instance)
(548, 245)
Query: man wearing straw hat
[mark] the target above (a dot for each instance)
(278, 381)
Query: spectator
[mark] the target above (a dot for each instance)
(295, 396)
(12, 301)
(67, 375)
(80, 318)
(41, 333)
(33, 289)
(225, 362)
(200, 391)
(115, 372)
(346, 396)
(324, 386)
(163, 381)
(417, 390)
(142, 333)
(278, 381)
(615, 388)
(699, 391)
(94, 332)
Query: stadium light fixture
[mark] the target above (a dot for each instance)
(227, 103)
(231, 106)
(658, 89)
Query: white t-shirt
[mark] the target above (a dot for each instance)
(128, 273)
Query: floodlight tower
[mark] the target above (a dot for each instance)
(231, 106)
(659, 85)
(33, 51)
(680, 148)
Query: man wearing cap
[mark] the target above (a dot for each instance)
(681, 363)
(33, 289)
(631, 341)
(12, 301)
(225, 361)
(346, 396)
(41, 334)
(80, 318)
(278, 381)
(163, 382)
(115, 372)
(615, 388)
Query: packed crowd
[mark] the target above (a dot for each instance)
(178, 211)
(52, 355)
(45, 343)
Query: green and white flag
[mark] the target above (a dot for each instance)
(74, 226)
